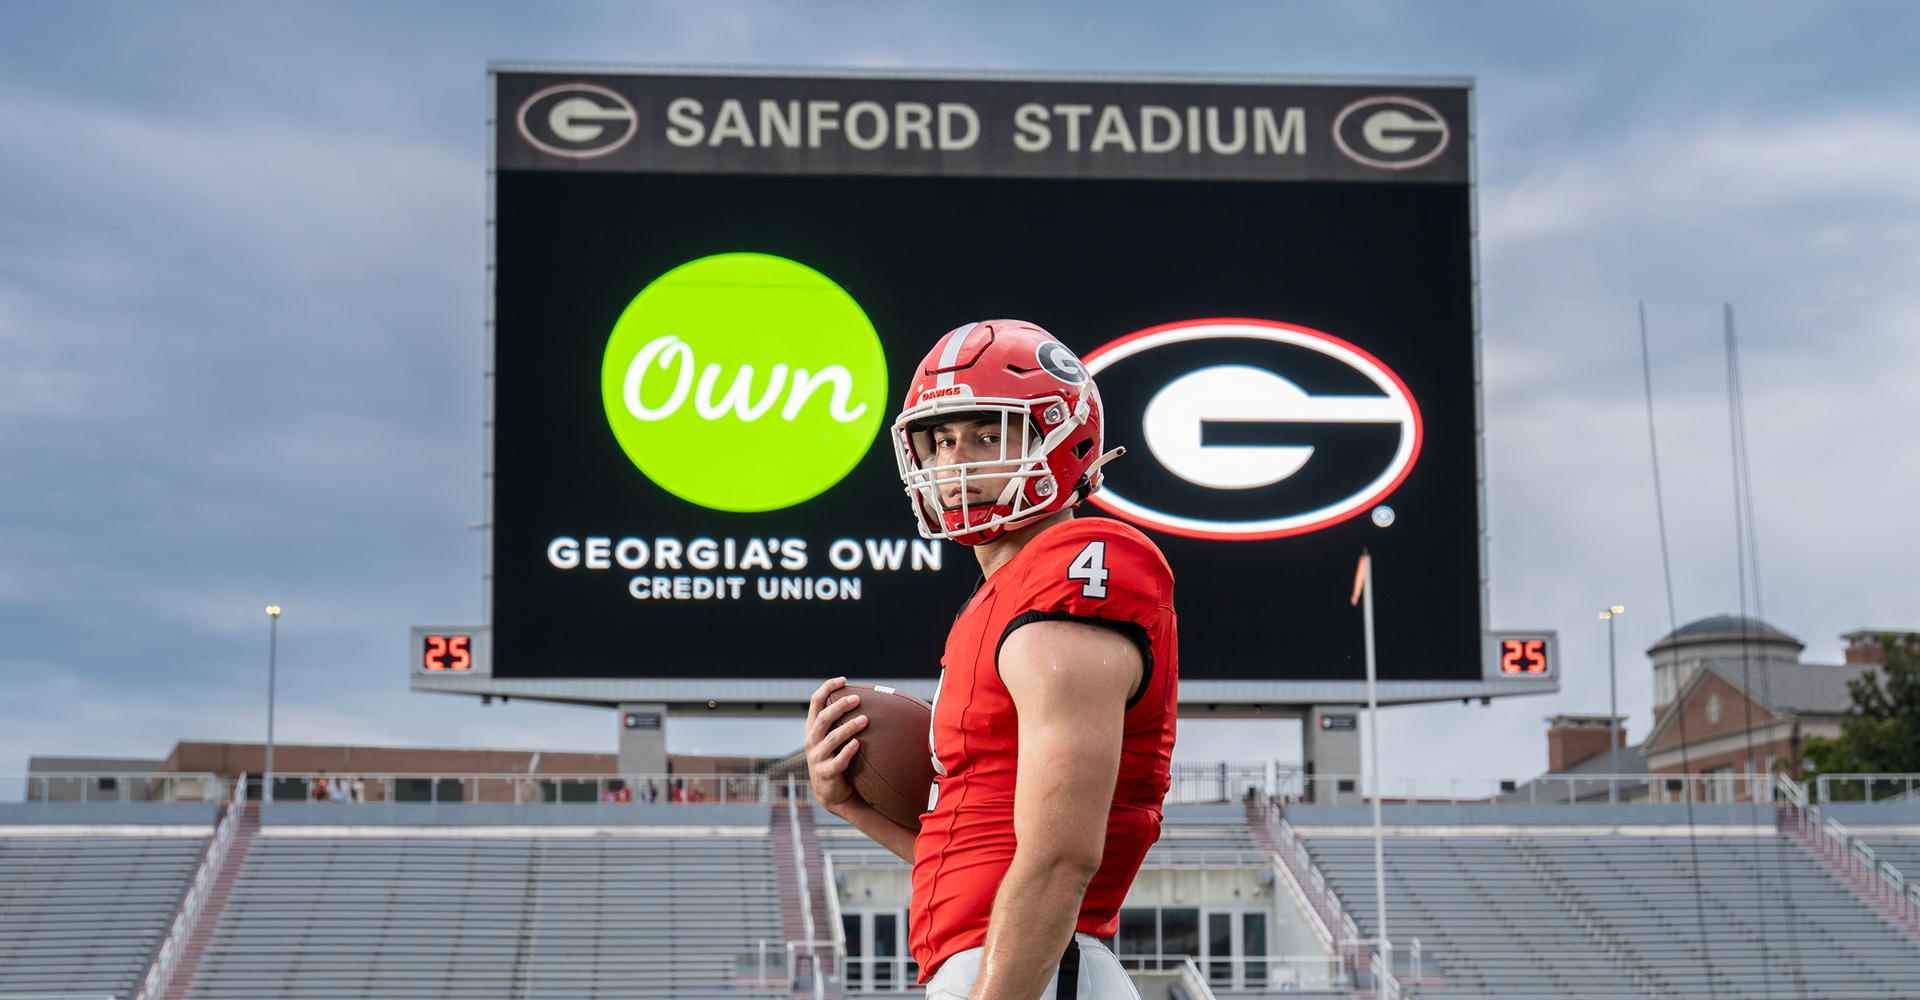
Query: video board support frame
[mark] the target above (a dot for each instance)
(785, 697)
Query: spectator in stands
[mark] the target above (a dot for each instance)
(320, 788)
(338, 790)
(676, 791)
(652, 792)
(617, 791)
(359, 790)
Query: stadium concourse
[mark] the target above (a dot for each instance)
(1250, 891)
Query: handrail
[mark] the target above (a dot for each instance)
(1341, 933)
(167, 956)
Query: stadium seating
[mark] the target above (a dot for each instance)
(546, 917)
(1904, 852)
(1520, 917)
(82, 915)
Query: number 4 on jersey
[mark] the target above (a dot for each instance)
(1091, 565)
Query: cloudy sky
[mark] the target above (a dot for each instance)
(241, 287)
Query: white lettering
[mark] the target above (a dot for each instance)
(949, 112)
(1073, 113)
(703, 553)
(1034, 135)
(731, 123)
(793, 554)
(1193, 130)
(738, 394)
(564, 552)
(1239, 132)
(818, 122)
(666, 553)
(824, 588)
(912, 118)
(790, 589)
(772, 121)
(927, 553)
(667, 349)
(886, 552)
(844, 554)
(631, 553)
(756, 555)
(1112, 128)
(686, 129)
(849, 588)
(662, 588)
(702, 588)
(682, 588)
(805, 384)
(597, 550)
(638, 588)
(1151, 113)
(728, 558)
(1293, 127)
(767, 587)
(733, 584)
(879, 116)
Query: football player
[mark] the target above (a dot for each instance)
(1054, 722)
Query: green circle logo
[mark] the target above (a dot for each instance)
(744, 382)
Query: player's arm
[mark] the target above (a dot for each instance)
(829, 748)
(1070, 683)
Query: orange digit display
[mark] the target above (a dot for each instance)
(1510, 652)
(1536, 656)
(449, 652)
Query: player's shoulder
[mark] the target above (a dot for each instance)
(1115, 544)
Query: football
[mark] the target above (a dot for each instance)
(892, 770)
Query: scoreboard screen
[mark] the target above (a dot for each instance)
(711, 293)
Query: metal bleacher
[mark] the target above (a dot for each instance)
(1559, 916)
(84, 914)
(643, 917)
(1904, 852)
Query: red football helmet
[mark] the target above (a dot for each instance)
(1050, 429)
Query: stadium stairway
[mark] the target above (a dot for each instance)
(1866, 887)
(245, 830)
(802, 884)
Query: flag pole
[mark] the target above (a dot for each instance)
(1363, 594)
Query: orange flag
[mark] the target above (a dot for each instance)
(1359, 578)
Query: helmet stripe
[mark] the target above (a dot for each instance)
(950, 355)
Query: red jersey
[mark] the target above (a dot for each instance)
(1092, 569)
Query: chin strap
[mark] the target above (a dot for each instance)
(1087, 486)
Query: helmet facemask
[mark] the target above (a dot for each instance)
(1024, 488)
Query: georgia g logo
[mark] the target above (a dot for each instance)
(577, 120)
(1255, 429)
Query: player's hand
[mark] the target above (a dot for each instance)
(830, 743)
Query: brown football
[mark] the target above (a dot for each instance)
(892, 769)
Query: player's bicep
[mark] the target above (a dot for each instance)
(1070, 683)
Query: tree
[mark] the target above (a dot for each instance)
(1881, 732)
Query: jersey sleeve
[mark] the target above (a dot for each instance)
(1094, 568)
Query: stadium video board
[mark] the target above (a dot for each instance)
(711, 292)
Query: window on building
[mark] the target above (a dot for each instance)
(877, 957)
(1229, 946)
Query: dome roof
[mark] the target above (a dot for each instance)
(1725, 627)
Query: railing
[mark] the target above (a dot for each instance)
(167, 957)
(117, 786)
(1624, 789)
(1834, 840)
(349, 788)
(880, 974)
(1890, 788)
(1232, 781)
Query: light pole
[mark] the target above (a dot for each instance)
(273, 650)
(1613, 706)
